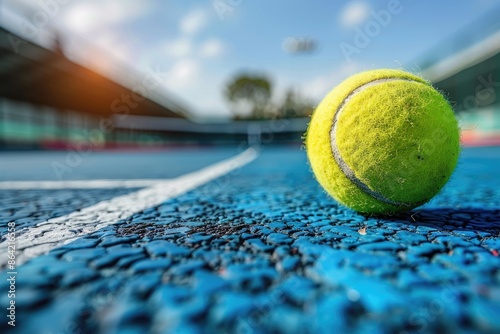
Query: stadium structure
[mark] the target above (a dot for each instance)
(48, 101)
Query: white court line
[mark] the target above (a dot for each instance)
(59, 231)
(79, 184)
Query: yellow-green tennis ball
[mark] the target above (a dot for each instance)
(383, 141)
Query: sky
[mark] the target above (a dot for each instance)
(196, 47)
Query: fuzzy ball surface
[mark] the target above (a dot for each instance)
(383, 141)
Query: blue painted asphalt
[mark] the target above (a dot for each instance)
(265, 250)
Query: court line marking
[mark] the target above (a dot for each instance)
(79, 184)
(59, 231)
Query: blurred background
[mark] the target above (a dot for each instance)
(107, 74)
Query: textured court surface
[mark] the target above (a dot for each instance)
(259, 250)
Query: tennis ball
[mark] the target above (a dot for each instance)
(383, 141)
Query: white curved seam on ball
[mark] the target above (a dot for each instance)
(344, 167)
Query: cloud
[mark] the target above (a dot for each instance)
(190, 76)
(319, 86)
(212, 48)
(90, 16)
(190, 72)
(83, 17)
(193, 22)
(181, 47)
(92, 34)
(354, 13)
(198, 87)
(183, 73)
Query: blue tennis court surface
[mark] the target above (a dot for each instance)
(261, 249)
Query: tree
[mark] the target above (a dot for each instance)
(295, 106)
(249, 94)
